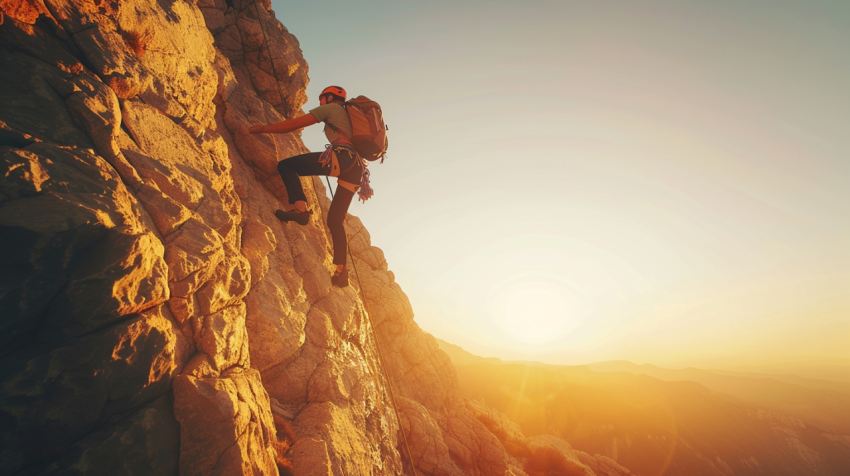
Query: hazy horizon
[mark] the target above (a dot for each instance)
(663, 182)
(835, 369)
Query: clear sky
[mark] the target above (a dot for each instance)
(575, 181)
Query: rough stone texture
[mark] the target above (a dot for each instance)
(425, 437)
(54, 395)
(223, 420)
(157, 317)
(424, 374)
(147, 440)
(550, 453)
(507, 431)
(57, 206)
(26, 11)
(543, 452)
(311, 342)
(241, 37)
(310, 458)
(117, 207)
(602, 465)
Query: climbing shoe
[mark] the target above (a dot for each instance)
(340, 278)
(302, 218)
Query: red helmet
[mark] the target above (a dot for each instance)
(336, 90)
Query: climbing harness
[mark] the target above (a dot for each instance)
(365, 192)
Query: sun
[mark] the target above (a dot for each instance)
(538, 311)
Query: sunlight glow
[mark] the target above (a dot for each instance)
(538, 312)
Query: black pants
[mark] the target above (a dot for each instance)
(308, 164)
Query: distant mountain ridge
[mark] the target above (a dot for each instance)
(461, 356)
(649, 369)
(821, 402)
(826, 408)
(698, 421)
(829, 377)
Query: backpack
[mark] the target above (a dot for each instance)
(369, 133)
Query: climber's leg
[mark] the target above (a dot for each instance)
(293, 168)
(336, 215)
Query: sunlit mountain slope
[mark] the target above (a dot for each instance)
(825, 408)
(658, 427)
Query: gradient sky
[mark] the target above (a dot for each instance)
(657, 181)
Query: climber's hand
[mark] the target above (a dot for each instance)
(256, 129)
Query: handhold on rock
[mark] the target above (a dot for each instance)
(278, 409)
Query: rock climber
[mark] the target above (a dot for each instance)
(339, 160)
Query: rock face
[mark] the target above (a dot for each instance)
(157, 318)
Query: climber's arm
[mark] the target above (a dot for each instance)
(285, 126)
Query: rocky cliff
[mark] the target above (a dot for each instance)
(156, 317)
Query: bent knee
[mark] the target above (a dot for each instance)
(283, 169)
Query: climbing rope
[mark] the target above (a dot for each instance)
(387, 381)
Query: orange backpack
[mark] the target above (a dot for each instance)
(369, 133)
